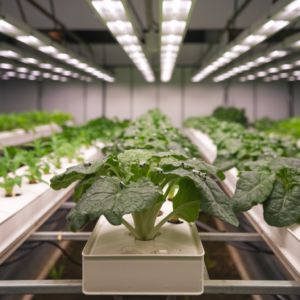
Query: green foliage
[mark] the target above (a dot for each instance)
(30, 119)
(231, 114)
(275, 184)
(56, 275)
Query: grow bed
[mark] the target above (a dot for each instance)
(22, 215)
(285, 242)
(20, 136)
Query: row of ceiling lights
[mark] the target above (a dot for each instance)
(281, 18)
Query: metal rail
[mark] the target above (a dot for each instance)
(204, 236)
(230, 287)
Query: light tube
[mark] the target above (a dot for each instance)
(22, 70)
(6, 66)
(48, 49)
(29, 40)
(29, 60)
(31, 77)
(46, 75)
(11, 74)
(36, 73)
(9, 54)
(127, 39)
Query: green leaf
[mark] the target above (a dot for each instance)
(225, 163)
(259, 165)
(160, 155)
(252, 188)
(187, 192)
(279, 162)
(75, 173)
(213, 200)
(83, 185)
(129, 163)
(106, 197)
(282, 207)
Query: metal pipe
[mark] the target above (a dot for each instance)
(148, 5)
(229, 287)
(204, 236)
(74, 36)
(230, 21)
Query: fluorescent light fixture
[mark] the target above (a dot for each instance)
(291, 11)
(29, 40)
(22, 76)
(119, 27)
(67, 73)
(6, 66)
(243, 79)
(230, 54)
(286, 67)
(272, 26)
(267, 79)
(11, 74)
(254, 39)
(58, 70)
(55, 77)
(251, 77)
(7, 28)
(82, 77)
(62, 56)
(31, 77)
(127, 39)
(45, 66)
(171, 39)
(240, 48)
(73, 61)
(47, 75)
(278, 53)
(29, 60)
(48, 49)
(170, 48)
(296, 73)
(88, 79)
(9, 54)
(133, 48)
(75, 75)
(173, 27)
(283, 75)
(22, 70)
(291, 78)
(263, 59)
(110, 10)
(36, 73)
(273, 70)
(176, 9)
(261, 74)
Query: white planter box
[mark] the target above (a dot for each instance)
(285, 242)
(20, 216)
(114, 263)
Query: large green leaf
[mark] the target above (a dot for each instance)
(83, 185)
(282, 207)
(75, 173)
(129, 163)
(252, 188)
(187, 192)
(106, 197)
(178, 155)
(213, 200)
(196, 164)
(279, 162)
(225, 163)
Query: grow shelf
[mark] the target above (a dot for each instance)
(20, 136)
(22, 215)
(285, 242)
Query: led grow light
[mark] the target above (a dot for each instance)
(29, 60)
(22, 70)
(31, 77)
(35, 39)
(36, 73)
(45, 66)
(11, 74)
(115, 15)
(9, 54)
(22, 76)
(174, 18)
(47, 75)
(281, 15)
(6, 66)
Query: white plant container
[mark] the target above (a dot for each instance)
(114, 263)
(22, 215)
(285, 242)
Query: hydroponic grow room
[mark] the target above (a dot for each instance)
(150, 149)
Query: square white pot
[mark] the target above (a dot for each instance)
(114, 263)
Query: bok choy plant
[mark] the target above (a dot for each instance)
(273, 183)
(137, 182)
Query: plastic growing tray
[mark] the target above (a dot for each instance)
(285, 242)
(114, 263)
(20, 216)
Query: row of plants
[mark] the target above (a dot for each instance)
(142, 168)
(269, 168)
(44, 154)
(30, 119)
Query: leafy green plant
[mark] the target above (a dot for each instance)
(231, 114)
(138, 182)
(273, 183)
(57, 144)
(8, 166)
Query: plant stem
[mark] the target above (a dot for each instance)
(153, 232)
(131, 229)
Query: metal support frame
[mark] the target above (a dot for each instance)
(204, 236)
(230, 287)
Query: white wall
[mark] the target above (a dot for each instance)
(130, 96)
